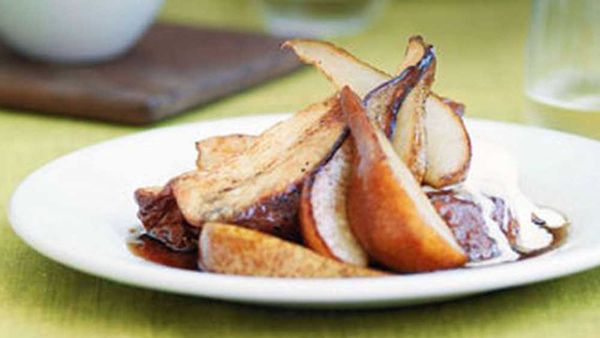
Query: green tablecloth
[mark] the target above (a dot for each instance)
(480, 49)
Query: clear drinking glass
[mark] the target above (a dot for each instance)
(318, 18)
(562, 74)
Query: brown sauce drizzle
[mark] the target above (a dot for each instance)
(152, 250)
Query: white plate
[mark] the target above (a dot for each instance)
(78, 209)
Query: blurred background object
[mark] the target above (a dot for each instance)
(171, 69)
(479, 43)
(318, 18)
(74, 30)
(562, 72)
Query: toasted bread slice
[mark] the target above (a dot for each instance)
(231, 249)
(389, 213)
(323, 217)
(260, 188)
(214, 151)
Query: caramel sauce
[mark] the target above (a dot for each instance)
(154, 251)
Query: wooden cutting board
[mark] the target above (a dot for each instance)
(173, 68)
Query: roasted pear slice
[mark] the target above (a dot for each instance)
(323, 216)
(260, 188)
(214, 151)
(448, 144)
(230, 249)
(389, 213)
(343, 69)
(381, 102)
(408, 130)
(397, 106)
(338, 65)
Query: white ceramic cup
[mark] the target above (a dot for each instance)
(74, 31)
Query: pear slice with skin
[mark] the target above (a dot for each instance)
(399, 107)
(234, 250)
(389, 213)
(338, 65)
(344, 69)
(448, 144)
(323, 216)
(408, 128)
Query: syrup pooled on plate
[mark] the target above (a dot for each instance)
(154, 251)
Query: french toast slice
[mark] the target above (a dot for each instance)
(260, 187)
(214, 151)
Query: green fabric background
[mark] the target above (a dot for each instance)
(480, 47)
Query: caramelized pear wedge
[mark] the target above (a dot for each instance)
(448, 144)
(381, 102)
(397, 106)
(344, 69)
(230, 249)
(323, 217)
(408, 130)
(389, 213)
(414, 53)
(338, 65)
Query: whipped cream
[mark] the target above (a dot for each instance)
(494, 172)
(494, 230)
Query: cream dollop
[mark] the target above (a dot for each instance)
(494, 172)
(506, 253)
